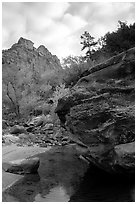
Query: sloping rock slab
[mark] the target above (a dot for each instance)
(23, 166)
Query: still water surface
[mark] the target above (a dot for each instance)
(63, 177)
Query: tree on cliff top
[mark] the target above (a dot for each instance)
(120, 40)
(89, 43)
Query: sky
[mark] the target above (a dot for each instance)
(59, 25)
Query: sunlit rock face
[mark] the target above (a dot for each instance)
(99, 112)
(23, 55)
(26, 43)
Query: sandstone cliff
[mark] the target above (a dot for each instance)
(99, 113)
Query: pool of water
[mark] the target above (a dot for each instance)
(56, 194)
(63, 177)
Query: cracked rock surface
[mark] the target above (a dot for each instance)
(99, 112)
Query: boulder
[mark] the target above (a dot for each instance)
(99, 111)
(40, 120)
(36, 121)
(125, 156)
(16, 129)
(23, 166)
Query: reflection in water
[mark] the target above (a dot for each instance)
(62, 177)
(60, 173)
(99, 186)
(56, 194)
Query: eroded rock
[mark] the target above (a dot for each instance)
(100, 111)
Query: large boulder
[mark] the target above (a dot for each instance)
(99, 112)
(17, 129)
(23, 166)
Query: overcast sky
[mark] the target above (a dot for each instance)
(58, 26)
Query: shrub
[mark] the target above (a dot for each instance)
(120, 40)
(73, 68)
(60, 91)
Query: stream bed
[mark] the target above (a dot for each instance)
(64, 177)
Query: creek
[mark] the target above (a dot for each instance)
(64, 177)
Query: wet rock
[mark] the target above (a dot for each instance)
(18, 130)
(23, 166)
(101, 113)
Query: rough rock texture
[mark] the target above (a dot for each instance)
(99, 112)
(24, 55)
(8, 138)
(125, 156)
(23, 166)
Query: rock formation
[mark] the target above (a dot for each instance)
(99, 113)
(22, 166)
(24, 55)
(27, 73)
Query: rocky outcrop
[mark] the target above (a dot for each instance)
(99, 112)
(23, 166)
(24, 55)
(28, 74)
